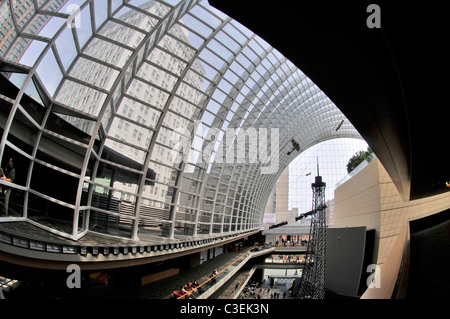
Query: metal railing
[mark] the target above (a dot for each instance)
(202, 288)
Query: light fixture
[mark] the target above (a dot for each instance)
(339, 126)
(295, 147)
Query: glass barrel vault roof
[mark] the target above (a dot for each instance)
(171, 87)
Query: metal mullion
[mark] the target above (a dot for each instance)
(56, 168)
(13, 16)
(51, 199)
(62, 137)
(110, 12)
(127, 143)
(36, 6)
(188, 45)
(125, 168)
(244, 83)
(218, 56)
(152, 84)
(146, 60)
(161, 120)
(158, 36)
(120, 44)
(8, 124)
(204, 22)
(58, 60)
(110, 213)
(103, 63)
(210, 12)
(195, 32)
(131, 97)
(132, 7)
(75, 35)
(34, 36)
(186, 100)
(123, 117)
(11, 116)
(25, 113)
(92, 13)
(129, 26)
(80, 114)
(165, 165)
(165, 184)
(56, 14)
(193, 180)
(18, 150)
(111, 188)
(73, 79)
(253, 191)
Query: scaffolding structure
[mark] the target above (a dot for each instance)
(312, 282)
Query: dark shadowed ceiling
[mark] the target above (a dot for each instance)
(390, 82)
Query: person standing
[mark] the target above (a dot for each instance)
(9, 174)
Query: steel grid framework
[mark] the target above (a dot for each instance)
(312, 281)
(138, 77)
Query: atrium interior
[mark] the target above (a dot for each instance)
(146, 139)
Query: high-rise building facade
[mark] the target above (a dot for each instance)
(277, 208)
(21, 16)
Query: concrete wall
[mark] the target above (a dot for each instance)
(371, 199)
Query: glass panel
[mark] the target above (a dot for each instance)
(121, 34)
(50, 213)
(60, 150)
(81, 97)
(156, 8)
(42, 173)
(22, 134)
(101, 12)
(112, 224)
(49, 70)
(138, 19)
(197, 25)
(97, 71)
(108, 52)
(32, 52)
(115, 4)
(84, 28)
(205, 16)
(66, 47)
(230, 43)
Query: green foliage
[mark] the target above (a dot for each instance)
(357, 159)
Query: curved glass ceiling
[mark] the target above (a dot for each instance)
(186, 116)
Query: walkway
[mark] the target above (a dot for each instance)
(163, 289)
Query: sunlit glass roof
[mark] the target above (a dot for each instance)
(171, 87)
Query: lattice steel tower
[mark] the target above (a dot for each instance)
(312, 282)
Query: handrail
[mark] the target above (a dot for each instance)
(240, 284)
(245, 253)
(213, 277)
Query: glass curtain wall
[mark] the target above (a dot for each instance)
(148, 118)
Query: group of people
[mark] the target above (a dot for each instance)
(264, 290)
(288, 243)
(276, 295)
(252, 292)
(186, 291)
